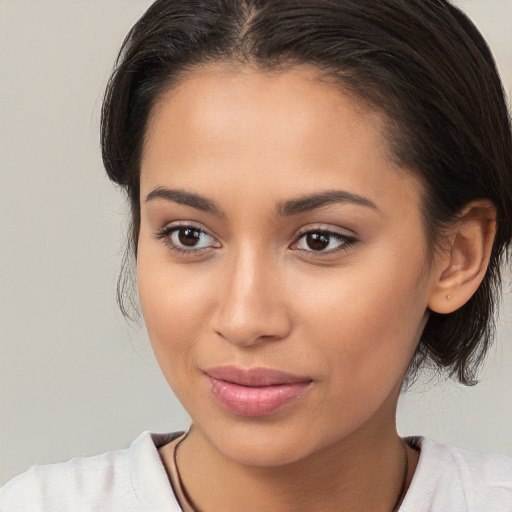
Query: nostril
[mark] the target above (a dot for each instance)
(250, 309)
(253, 330)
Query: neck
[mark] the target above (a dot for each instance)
(361, 472)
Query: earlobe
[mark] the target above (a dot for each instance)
(463, 264)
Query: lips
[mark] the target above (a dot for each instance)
(255, 391)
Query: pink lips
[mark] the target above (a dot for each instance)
(256, 391)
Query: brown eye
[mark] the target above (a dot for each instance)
(325, 242)
(317, 241)
(189, 237)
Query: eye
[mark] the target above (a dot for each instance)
(185, 239)
(188, 237)
(323, 241)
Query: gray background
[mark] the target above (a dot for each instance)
(75, 379)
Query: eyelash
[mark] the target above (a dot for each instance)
(165, 234)
(346, 242)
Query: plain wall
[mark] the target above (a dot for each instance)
(75, 379)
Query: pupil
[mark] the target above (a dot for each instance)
(317, 241)
(189, 237)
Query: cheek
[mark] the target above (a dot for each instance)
(368, 321)
(174, 305)
(366, 336)
(174, 310)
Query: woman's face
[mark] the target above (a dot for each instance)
(281, 262)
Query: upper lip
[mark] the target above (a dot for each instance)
(254, 377)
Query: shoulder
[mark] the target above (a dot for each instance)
(70, 485)
(110, 481)
(449, 478)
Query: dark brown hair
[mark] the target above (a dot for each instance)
(420, 62)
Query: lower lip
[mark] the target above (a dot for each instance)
(255, 401)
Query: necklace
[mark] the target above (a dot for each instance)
(401, 494)
(189, 507)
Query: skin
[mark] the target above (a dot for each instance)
(256, 295)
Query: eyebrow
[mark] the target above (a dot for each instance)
(312, 202)
(186, 198)
(287, 208)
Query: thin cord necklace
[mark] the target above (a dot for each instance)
(396, 506)
(401, 494)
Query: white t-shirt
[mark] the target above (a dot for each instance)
(134, 480)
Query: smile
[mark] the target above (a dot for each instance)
(256, 391)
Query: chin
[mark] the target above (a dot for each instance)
(262, 445)
(266, 455)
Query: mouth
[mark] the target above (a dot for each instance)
(255, 391)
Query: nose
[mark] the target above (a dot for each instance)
(251, 307)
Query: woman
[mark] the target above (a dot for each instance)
(321, 196)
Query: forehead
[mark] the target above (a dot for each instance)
(289, 128)
(296, 101)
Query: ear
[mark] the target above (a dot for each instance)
(462, 265)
